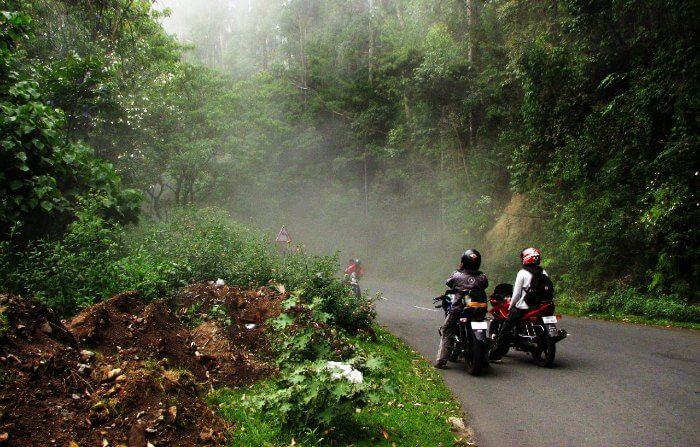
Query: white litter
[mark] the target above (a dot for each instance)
(346, 372)
(251, 326)
(220, 282)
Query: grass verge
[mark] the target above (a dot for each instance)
(415, 414)
(625, 318)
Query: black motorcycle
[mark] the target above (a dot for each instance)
(471, 342)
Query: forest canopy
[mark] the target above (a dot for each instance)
(398, 131)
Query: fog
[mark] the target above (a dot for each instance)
(400, 229)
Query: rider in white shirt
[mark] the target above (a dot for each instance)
(522, 283)
(530, 258)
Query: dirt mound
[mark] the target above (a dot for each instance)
(231, 332)
(127, 326)
(127, 372)
(138, 403)
(53, 391)
(211, 300)
(40, 386)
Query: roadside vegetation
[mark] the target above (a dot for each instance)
(333, 377)
(410, 410)
(630, 306)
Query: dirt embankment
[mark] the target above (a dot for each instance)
(126, 372)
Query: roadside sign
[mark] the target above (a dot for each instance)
(283, 236)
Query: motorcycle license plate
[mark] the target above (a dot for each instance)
(549, 320)
(479, 325)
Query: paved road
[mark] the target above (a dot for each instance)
(612, 385)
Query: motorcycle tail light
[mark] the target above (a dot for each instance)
(559, 317)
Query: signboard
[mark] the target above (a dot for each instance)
(283, 236)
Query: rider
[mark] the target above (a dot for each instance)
(468, 278)
(353, 272)
(530, 258)
(354, 266)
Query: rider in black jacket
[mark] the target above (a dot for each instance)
(468, 278)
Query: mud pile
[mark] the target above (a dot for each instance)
(126, 325)
(229, 329)
(127, 372)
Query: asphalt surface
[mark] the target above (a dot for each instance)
(612, 384)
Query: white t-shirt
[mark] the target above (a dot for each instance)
(522, 282)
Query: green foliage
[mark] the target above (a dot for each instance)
(305, 333)
(318, 396)
(97, 258)
(625, 302)
(410, 409)
(43, 176)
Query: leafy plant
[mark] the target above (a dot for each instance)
(321, 393)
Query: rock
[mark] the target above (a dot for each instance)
(457, 424)
(137, 436)
(171, 414)
(112, 374)
(75, 396)
(46, 328)
(86, 355)
(120, 378)
(4, 437)
(84, 368)
(464, 433)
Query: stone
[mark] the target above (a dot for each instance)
(137, 436)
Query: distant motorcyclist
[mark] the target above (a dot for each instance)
(466, 279)
(355, 266)
(530, 258)
(353, 273)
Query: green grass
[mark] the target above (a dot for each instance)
(414, 415)
(624, 318)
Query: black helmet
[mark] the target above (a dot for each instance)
(471, 259)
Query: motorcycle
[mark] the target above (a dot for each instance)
(471, 342)
(353, 281)
(535, 333)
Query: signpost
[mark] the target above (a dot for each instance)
(284, 237)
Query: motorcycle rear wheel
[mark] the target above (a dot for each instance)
(476, 360)
(545, 357)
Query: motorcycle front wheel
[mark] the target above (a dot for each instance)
(545, 356)
(494, 331)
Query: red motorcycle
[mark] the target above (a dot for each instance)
(535, 333)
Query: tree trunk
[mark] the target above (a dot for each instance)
(370, 50)
(472, 20)
(178, 189)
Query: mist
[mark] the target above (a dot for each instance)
(315, 189)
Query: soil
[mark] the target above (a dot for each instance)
(234, 338)
(126, 372)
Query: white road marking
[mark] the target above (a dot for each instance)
(425, 308)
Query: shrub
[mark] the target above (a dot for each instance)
(304, 334)
(320, 394)
(630, 301)
(97, 258)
